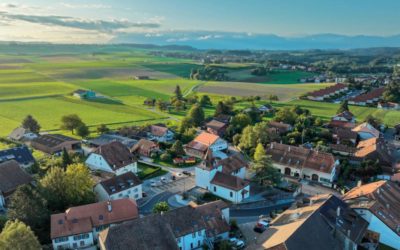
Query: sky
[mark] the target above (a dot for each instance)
(101, 21)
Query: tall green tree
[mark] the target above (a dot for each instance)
(265, 173)
(177, 148)
(344, 106)
(17, 235)
(82, 130)
(102, 129)
(178, 93)
(196, 114)
(80, 184)
(65, 159)
(54, 185)
(259, 153)
(205, 101)
(223, 108)
(161, 207)
(392, 92)
(31, 123)
(70, 122)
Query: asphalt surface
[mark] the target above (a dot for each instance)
(147, 208)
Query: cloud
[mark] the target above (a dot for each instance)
(85, 6)
(72, 22)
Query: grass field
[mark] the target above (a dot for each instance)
(273, 77)
(41, 84)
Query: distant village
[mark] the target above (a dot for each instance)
(253, 178)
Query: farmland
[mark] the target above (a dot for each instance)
(41, 84)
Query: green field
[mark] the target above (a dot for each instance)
(273, 77)
(41, 84)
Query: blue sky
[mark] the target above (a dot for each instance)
(103, 20)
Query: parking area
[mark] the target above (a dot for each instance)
(179, 185)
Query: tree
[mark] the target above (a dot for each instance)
(54, 186)
(273, 98)
(196, 114)
(344, 106)
(178, 93)
(82, 130)
(205, 101)
(177, 148)
(392, 92)
(188, 135)
(161, 207)
(259, 153)
(161, 105)
(80, 184)
(186, 123)
(179, 105)
(17, 235)
(31, 124)
(223, 108)
(70, 122)
(265, 173)
(286, 115)
(65, 159)
(102, 129)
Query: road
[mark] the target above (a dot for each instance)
(253, 212)
(147, 207)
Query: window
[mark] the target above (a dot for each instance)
(75, 245)
(230, 194)
(136, 196)
(61, 239)
(120, 195)
(194, 235)
(198, 243)
(215, 189)
(199, 233)
(179, 240)
(191, 245)
(82, 243)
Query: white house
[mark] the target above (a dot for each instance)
(378, 203)
(22, 134)
(224, 178)
(185, 228)
(126, 185)
(204, 141)
(345, 116)
(160, 133)
(113, 157)
(79, 227)
(304, 163)
(366, 131)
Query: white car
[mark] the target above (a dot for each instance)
(153, 184)
(163, 179)
(236, 242)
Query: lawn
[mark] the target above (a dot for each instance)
(272, 77)
(178, 69)
(148, 172)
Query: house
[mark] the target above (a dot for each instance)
(185, 228)
(280, 127)
(366, 131)
(199, 146)
(55, 143)
(79, 227)
(22, 134)
(145, 148)
(223, 118)
(341, 124)
(134, 132)
(388, 105)
(266, 108)
(160, 133)
(11, 177)
(345, 116)
(344, 136)
(320, 222)
(126, 185)
(342, 149)
(84, 94)
(379, 204)
(224, 178)
(113, 157)
(376, 149)
(107, 138)
(20, 154)
(304, 163)
(368, 98)
(216, 127)
(328, 92)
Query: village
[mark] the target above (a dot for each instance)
(231, 181)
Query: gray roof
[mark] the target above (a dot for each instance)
(120, 183)
(21, 154)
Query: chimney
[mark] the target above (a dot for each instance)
(388, 206)
(109, 206)
(378, 191)
(338, 212)
(289, 149)
(359, 183)
(348, 233)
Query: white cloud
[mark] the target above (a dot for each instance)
(85, 6)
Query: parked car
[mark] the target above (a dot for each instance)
(153, 184)
(144, 194)
(235, 242)
(163, 179)
(186, 173)
(258, 229)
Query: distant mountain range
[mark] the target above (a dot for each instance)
(229, 40)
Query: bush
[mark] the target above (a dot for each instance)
(165, 157)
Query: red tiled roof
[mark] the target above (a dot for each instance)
(116, 154)
(216, 125)
(341, 124)
(376, 93)
(157, 130)
(367, 128)
(206, 138)
(82, 219)
(229, 181)
(328, 90)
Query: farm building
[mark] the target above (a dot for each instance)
(84, 94)
(55, 143)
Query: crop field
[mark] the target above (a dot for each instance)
(273, 77)
(41, 85)
(284, 92)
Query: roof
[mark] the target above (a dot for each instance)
(120, 183)
(366, 128)
(232, 163)
(341, 124)
(328, 90)
(229, 181)
(376, 93)
(53, 140)
(80, 91)
(12, 176)
(279, 125)
(345, 133)
(382, 198)
(158, 130)
(216, 125)
(21, 154)
(346, 114)
(206, 138)
(197, 146)
(107, 138)
(299, 157)
(343, 148)
(84, 218)
(223, 118)
(159, 231)
(18, 133)
(309, 226)
(143, 144)
(116, 154)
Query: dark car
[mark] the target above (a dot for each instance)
(144, 194)
(259, 229)
(187, 173)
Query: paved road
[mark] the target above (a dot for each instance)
(252, 212)
(147, 207)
